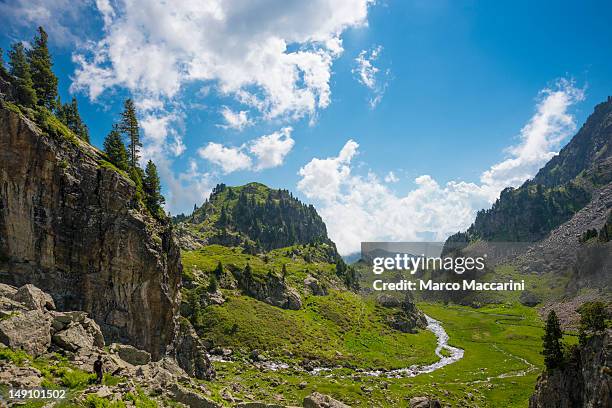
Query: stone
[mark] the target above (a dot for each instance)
(131, 354)
(315, 286)
(19, 377)
(318, 400)
(34, 298)
(191, 398)
(388, 301)
(29, 330)
(75, 339)
(190, 353)
(7, 291)
(424, 402)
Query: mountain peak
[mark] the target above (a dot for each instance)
(256, 217)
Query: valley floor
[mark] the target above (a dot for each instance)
(501, 363)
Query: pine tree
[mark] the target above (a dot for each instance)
(115, 149)
(129, 127)
(69, 115)
(20, 69)
(152, 189)
(45, 81)
(552, 351)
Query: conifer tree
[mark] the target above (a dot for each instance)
(152, 189)
(69, 115)
(552, 351)
(20, 69)
(115, 149)
(129, 127)
(45, 81)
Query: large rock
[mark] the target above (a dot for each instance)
(315, 286)
(29, 330)
(424, 402)
(584, 381)
(317, 400)
(71, 225)
(34, 298)
(75, 338)
(131, 354)
(270, 289)
(190, 353)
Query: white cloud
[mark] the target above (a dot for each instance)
(357, 208)
(272, 56)
(271, 150)
(391, 178)
(235, 120)
(368, 74)
(63, 27)
(266, 151)
(230, 159)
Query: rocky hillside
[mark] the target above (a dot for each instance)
(253, 216)
(69, 224)
(585, 381)
(560, 189)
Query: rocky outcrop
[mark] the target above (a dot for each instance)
(70, 224)
(407, 318)
(585, 381)
(191, 354)
(318, 400)
(424, 402)
(29, 326)
(270, 289)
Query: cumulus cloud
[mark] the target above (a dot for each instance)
(391, 178)
(63, 27)
(235, 120)
(369, 75)
(258, 154)
(270, 150)
(362, 208)
(272, 56)
(230, 159)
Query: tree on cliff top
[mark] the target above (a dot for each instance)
(45, 81)
(115, 149)
(593, 316)
(129, 127)
(69, 115)
(152, 189)
(552, 350)
(20, 69)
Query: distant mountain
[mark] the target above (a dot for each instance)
(255, 217)
(565, 185)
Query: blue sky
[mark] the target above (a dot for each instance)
(475, 94)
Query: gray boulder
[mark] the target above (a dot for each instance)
(34, 298)
(315, 286)
(131, 354)
(317, 400)
(29, 330)
(424, 402)
(388, 301)
(190, 353)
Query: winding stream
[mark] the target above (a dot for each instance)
(453, 354)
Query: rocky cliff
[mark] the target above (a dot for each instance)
(70, 224)
(585, 381)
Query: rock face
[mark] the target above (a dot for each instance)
(586, 381)
(69, 224)
(191, 354)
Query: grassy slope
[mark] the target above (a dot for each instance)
(500, 341)
(497, 341)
